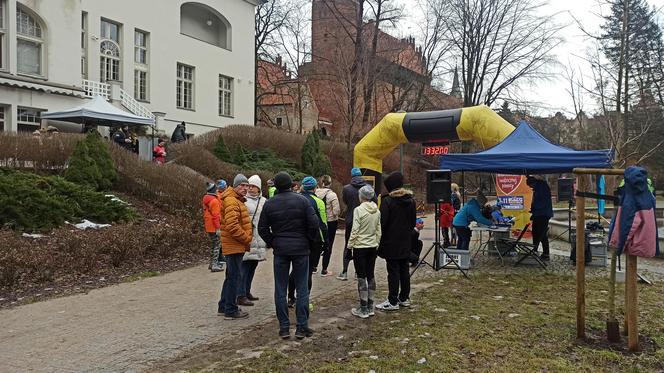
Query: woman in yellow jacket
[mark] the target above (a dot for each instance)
(236, 236)
(363, 242)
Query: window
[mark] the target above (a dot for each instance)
(28, 120)
(140, 85)
(225, 96)
(3, 32)
(29, 43)
(2, 113)
(141, 65)
(280, 121)
(206, 24)
(110, 52)
(84, 45)
(185, 87)
(110, 61)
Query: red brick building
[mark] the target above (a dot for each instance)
(401, 81)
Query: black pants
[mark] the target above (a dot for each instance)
(347, 257)
(314, 255)
(415, 252)
(463, 237)
(331, 233)
(364, 261)
(540, 233)
(398, 280)
(446, 236)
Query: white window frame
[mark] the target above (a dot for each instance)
(2, 118)
(84, 45)
(36, 37)
(26, 116)
(105, 30)
(225, 96)
(3, 36)
(110, 65)
(142, 67)
(182, 83)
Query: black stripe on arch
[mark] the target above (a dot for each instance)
(432, 125)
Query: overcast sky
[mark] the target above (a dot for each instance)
(552, 95)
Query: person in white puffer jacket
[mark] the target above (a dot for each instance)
(257, 253)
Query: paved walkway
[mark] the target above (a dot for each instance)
(130, 326)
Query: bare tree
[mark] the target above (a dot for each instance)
(499, 43)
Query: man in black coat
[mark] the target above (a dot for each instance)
(180, 133)
(288, 224)
(351, 197)
(397, 221)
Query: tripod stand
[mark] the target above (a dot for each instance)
(569, 222)
(437, 247)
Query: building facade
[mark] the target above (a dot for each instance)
(173, 60)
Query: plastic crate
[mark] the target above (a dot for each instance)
(598, 261)
(462, 257)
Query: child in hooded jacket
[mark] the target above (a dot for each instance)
(363, 241)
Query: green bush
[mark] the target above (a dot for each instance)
(91, 164)
(314, 161)
(29, 202)
(221, 151)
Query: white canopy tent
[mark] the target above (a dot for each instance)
(99, 112)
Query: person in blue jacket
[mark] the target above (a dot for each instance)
(471, 211)
(541, 211)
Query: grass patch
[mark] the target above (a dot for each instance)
(141, 276)
(494, 322)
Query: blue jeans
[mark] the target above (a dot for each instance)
(248, 272)
(229, 292)
(282, 264)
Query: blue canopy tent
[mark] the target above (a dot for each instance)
(526, 152)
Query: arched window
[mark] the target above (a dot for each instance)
(110, 61)
(29, 42)
(204, 23)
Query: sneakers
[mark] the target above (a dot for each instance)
(343, 276)
(544, 258)
(304, 332)
(387, 306)
(360, 313)
(325, 273)
(244, 301)
(371, 312)
(315, 270)
(284, 333)
(237, 315)
(405, 303)
(291, 303)
(216, 268)
(252, 298)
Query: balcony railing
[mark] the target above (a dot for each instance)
(93, 89)
(134, 106)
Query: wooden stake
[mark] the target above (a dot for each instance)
(631, 304)
(580, 258)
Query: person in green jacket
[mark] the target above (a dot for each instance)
(271, 189)
(318, 246)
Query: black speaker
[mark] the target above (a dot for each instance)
(565, 189)
(439, 186)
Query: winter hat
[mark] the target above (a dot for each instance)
(283, 181)
(309, 183)
(221, 184)
(355, 172)
(240, 179)
(394, 181)
(366, 193)
(270, 183)
(256, 181)
(211, 187)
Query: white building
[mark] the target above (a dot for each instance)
(179, 60)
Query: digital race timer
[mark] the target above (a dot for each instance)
(435, 148)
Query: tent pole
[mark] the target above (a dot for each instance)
(463, 187)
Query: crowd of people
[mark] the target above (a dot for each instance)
(298, 222)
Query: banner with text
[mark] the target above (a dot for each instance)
(515, 196)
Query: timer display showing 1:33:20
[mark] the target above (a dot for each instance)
(435, 150)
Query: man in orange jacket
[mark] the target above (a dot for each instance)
(212, 219)
(236, 236)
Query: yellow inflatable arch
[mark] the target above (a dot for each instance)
(479, 124)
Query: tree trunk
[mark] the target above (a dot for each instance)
(371, 63)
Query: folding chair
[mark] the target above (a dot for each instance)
(522, 248)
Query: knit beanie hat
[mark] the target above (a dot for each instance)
(394, 181)
(240, 179)
(283, 181)
(355, 172)
(221, 184)
(255, 180)
(366, 193)
(211, 187)
(309, 183)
